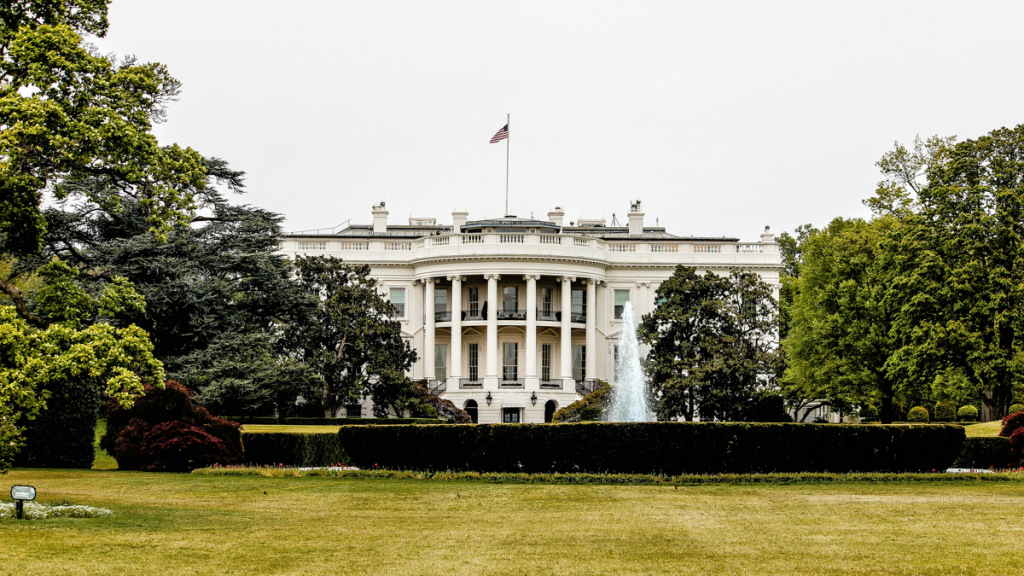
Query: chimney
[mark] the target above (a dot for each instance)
(636, 219)
(555, 216)
(767, 237)
(380, 219)
(458, 221)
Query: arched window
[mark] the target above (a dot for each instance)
(471, 410)
(549, 410)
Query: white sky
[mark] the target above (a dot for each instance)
(723, 117)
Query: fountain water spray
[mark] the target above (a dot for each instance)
(629, 396)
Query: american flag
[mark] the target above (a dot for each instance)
(501, 135)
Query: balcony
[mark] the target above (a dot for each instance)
(551, 384)
(473, 315)
(470, 384)
(511, 314)
(443, 316)
(436, 387)
(579, 317)
(508, 383)
(586, 386)
(548, 316)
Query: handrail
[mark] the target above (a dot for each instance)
(517, 383)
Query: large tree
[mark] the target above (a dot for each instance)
(839, 340)
(957, 292)
(713, 345)
(351, 340)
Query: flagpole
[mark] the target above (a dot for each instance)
(508, 144)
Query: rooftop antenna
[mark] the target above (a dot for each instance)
(615, 221)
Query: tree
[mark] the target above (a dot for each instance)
(958, 283)
(792, 249)
(713, 344)
(839, 338)
(71, 115)
(217, 290)
(351, 340)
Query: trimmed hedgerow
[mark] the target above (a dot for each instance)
(252, 419)
(655, 447)
(967, 413)
(918, 415)
(62, 436)
(357, 421)
(984, 452)
(292, 449)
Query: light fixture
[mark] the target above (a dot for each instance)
(488, 398)
(22, 493)
(533, 398)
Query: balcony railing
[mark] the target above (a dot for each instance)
(473, 315)
(436, 387)
(586, 386)
(470, 384)
(551, 384)
(547, 316)
(578, 317)
(511, 314)
(517, 383)
(443, 316)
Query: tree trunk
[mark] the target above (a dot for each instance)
(885, 414)
(995, 403)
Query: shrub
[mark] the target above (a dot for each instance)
(967, 414)
(655, 447)
(128, 431)
(1017, 445)
(984, 452)
(945, 411)
(590, 408)
(1016, 408)
(357, 421)
(292, 449)
(178, 447)
(918, 415)
(62, 435)
(868, 413)
(251, 419)
(1011, 423)
(899, 410)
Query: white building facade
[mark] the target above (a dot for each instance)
(513, 318)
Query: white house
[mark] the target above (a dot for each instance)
(514, 318)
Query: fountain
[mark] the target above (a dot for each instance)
(629, 396)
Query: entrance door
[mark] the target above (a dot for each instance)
(549, 411)
(471, 409)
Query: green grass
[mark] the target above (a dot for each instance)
(284, 428)
(194, 524)
(102, 461)
(984, 429)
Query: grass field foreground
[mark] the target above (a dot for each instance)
(984, 429)
(193, 524)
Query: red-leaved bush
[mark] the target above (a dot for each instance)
(1013, 428)
(178, 447)
(163, 431)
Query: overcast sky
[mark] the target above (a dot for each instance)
(722, 117)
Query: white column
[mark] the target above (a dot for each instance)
(492, 325)
(531, 325)
(591, 371)
(456, 368)
(566, 345)
(428, 329)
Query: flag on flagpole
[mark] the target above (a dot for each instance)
(501, 135)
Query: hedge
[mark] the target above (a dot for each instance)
(64, 434)
(357, 421)
(984, 452)
(292, 449)
(655, 447)
(252, 419)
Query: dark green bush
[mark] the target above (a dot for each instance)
(357, 421)
(292, 449)
(252, 419)
(655, 447)
(868, 413)
(918, 415)
(967, 414)
(945, 411)
(1016, 408)
(589, 408)
(62, 435)
(984, 452)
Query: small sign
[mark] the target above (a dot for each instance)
(21, 493)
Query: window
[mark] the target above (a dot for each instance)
(621, 297)
(353, 411)
(474, 362)
(441, 362)
(510, 415)
(510, 298)
(579, 362)
(545, 300)
(398, 300)
(510, 361)
(441, 300)
(474, 301)
(545, 362)
(471, 409)
(579, 306)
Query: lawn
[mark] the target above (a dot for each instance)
(190, 524)
(984, 429)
